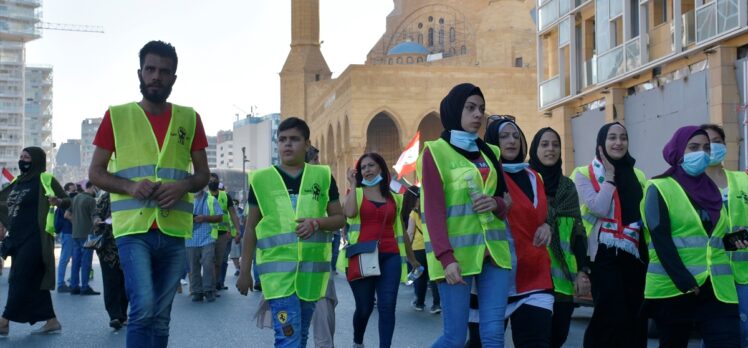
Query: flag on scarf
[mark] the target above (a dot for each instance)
(406, 164)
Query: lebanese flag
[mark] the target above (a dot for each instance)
(399, 186)
(406, 164)
(6, 177)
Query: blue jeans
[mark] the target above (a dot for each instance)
(153, 263)
(291, 320)
(66, 252)
(492, 284)
(335, 249)
(743, 306)
(385, 286)
(81, 267)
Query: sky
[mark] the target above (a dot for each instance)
(230, 52)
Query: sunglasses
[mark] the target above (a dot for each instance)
(501, 117)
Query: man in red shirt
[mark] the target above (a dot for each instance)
(152, 221)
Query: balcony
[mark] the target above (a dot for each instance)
(550, 90)
(620, 59)
(715, 18)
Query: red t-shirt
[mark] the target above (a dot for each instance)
(160, 124)
(379, 220)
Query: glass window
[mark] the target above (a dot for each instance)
(441, 37)
(564, 31)
(431, 37)
(452, 34)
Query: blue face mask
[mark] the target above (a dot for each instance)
(717, 154)
(376, 180)
(514, 167)
(695, 163)
(463, 140)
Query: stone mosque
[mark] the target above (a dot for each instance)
(428, 47)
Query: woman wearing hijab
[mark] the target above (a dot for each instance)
(25, 210)
(530, 304)
(610, 192)
(464, 231)
(568, 247)
(689, 279)
(733, 185)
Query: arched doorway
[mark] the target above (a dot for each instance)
(430, 127)
(383, 137)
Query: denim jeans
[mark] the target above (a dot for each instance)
(153, 263)
(743, 306)
(385, 287)
(81, 267)
(66, 252)
(221, 279)
(335, 249)
(291, 320)
(492, 284)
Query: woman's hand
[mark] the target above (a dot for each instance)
(453, 274)
(484, 204)
(507, 201)
(244, 283)
(582, 284)
(414, 263)
(542, 236)
(610, 170)
(351, 177)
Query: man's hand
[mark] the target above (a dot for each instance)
(582, 284)
(484, 204)
(168, 194)
(198, 218)
(453, 274)
(244, 283)
(304, 228)
(143, 190)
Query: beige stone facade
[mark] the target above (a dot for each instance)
(428, 47)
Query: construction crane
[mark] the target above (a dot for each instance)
(70, 27)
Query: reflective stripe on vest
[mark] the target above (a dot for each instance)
(737, 207)
(286, 264)
(703, 256)
(354, 231)
(138, 157)
(470, 237)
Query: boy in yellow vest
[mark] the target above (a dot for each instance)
(291, 207)
(159, 158)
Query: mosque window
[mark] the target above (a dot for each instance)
(441, 37)
(452, 51)
(518, 62)
(389, 61)
(399, 60)
(463, 50)
(410, 60)
(431, 37)
(431, 19)
(420, 38)
(452, 34)
(420, 25)
(441, 20)
(420, 60)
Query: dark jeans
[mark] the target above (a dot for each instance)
(531, 327)
(385, 286)
(115, 296)
(717, 322)
(422, 283)
(81, 267)
(562, 311)
(335, 250)
(618, 293)
(221, 280)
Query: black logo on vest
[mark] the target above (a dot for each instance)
(182, 135)
(316, 191)
(743, 196)
(165, 212)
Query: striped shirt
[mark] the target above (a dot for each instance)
(201, 231)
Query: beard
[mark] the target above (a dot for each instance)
(156, 97)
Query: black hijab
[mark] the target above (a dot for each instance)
(551, 174)
(628, 186)
(38, 164)
(520, 178)
(450, 112)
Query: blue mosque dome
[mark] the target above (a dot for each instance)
(408, 47)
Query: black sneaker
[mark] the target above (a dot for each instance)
(197, 297)
(436, 309)
(64, 288)
(89, 291)
(258, 287)
(75, 291)
(115, 324)
(211, 296)
(236, 274)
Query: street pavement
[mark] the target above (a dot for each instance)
(228, 322)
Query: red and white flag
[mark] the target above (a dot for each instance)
(406, 164)
(6, 177)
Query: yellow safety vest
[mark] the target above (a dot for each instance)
(737, 207)
(211, 201)
(561, 283)
(287, 264)
(703, 256)
(224, 225)
(138, 158)
(469, 236)
(49, 223)
(354, 230)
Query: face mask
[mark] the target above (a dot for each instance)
(514, 167)
(717, 154)
(213, 185)
(463, 140)
(376, 180)
(695, 163)
(24, 166)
